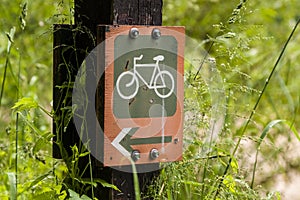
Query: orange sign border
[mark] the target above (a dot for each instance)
(173, 124)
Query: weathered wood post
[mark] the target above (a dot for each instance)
(82, 38)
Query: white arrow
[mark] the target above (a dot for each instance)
(124, 140)
(118, 139)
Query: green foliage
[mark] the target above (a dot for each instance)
(25, 104)
(25, 119)
(244, 42)
(241, 39)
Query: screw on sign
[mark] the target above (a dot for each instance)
(143, 113)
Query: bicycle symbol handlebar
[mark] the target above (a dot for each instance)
(160, 81)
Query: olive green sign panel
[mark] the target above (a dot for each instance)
(145, 76)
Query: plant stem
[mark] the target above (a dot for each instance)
(4, 76)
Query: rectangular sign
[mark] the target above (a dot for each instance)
(143, 112)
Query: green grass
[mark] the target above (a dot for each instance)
(241, 99)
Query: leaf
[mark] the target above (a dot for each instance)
(75, 196)
(25, 103)
(106, 184)
(88, 182)
(41, 142)
(275, 122)
(37, 180)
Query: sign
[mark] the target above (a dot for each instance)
(143, 112)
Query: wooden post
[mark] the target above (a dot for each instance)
(89, 14)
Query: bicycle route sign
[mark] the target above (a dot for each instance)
(143, 110)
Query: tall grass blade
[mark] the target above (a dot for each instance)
(135, 182)
(12, 183)
(264, 134)
(10, 36)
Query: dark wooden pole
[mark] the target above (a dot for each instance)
(89, 14)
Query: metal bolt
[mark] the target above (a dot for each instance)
(156, 33)
(154, 154)
(176, 140)
(135, 155)
(134, 33)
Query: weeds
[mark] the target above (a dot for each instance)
(217, 175)
(258, 101)
(213, 164)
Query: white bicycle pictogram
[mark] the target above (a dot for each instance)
(157, 80)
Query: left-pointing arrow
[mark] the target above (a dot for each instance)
(117, 140)
(124, 141)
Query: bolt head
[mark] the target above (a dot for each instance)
(176, 140)
(156, 33)
(154, 153)
(135, 155)
(134, 33)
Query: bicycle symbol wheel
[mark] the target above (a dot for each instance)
(129, 85)
(165, 86)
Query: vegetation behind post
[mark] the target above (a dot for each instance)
(82, 36)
